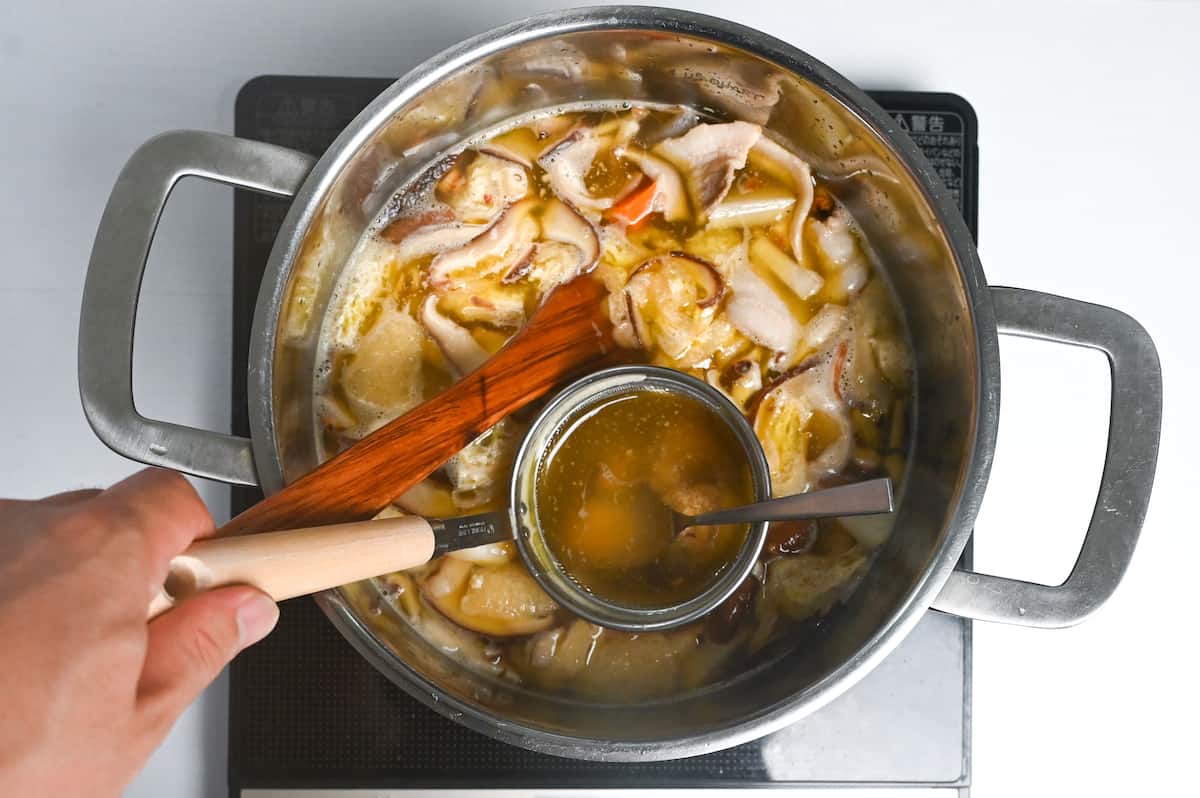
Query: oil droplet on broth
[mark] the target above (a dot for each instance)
(615, 472)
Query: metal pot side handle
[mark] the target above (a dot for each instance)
(114, 277)
(1135, 419)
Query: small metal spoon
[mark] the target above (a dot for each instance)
(859, 498)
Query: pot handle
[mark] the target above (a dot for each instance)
(114, 278)
(1133, 434)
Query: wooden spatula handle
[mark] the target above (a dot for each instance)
(567, 332)
(295, 562)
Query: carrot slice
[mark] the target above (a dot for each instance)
(636, 205)
(839, 365)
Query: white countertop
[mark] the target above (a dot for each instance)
(1090, 187)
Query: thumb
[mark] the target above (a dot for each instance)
(187, 646)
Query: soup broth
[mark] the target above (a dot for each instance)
(723, 257)
(605, 493)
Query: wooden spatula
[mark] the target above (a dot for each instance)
(568, 331)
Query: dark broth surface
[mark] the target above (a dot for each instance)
(606, 491)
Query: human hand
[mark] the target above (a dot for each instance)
(88, 688)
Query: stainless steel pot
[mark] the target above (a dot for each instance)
(667, 56)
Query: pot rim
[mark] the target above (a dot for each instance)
(968, 493)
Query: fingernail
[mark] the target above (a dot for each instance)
(256, 617)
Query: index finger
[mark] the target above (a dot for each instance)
(162, 510)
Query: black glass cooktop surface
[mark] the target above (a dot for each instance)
(308, 716)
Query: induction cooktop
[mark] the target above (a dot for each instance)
(309, 717)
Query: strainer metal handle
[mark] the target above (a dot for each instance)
(114, 278)
(1135, 419)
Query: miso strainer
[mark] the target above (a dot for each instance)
(299, 561)
(575, 400)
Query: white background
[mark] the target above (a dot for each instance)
(1090, 187)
